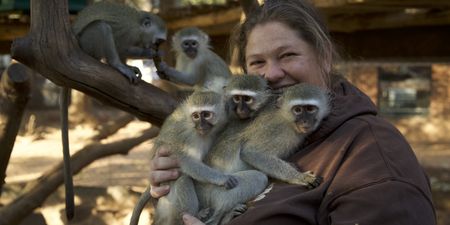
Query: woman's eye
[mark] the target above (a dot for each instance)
(288, 54)
(256, 62)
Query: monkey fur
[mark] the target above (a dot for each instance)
(279, 130)
(113, 32)
(263, 144)
(245, 95)
(196, 64)
(189, 132)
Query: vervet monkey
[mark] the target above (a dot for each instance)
(115, 32)
(278, 131)
(196, 64)
(112, 32)
(275, 134)
(189, 132)
(246, 95)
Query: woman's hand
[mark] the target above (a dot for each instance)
(163, 168)
(190, 220)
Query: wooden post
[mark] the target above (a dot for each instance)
(14, 95)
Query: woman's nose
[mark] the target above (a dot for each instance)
(274, 72)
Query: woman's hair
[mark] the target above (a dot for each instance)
(301, 17)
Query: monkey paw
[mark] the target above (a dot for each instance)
(231, 183)
(311, 181)
(130, 73)
(204, 214)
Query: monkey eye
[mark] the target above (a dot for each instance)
(147, 22)
(297, 110)
(248, 99)
(207, 115)
(311, 108)
(236, 98)
(195, 116)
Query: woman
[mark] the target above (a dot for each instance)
(371, 175)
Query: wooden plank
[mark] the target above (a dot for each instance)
(418, 44)
(210, 19)
(350, 23)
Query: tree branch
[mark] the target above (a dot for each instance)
(51, 49)
(15, 90)
(47, 184)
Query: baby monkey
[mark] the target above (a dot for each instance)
(196, 64)
(263, 144)
(245, 95)
(279, 130)
(189, 132)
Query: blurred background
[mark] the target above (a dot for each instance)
(396, 51)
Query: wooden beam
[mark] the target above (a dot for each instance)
(417, 44)
(402, 3)
(210, 19)
(10, 32)
(354, 22)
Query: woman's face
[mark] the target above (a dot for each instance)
(276, 52)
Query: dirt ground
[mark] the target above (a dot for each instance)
(107, 190)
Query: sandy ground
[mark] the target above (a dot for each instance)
(108, 189)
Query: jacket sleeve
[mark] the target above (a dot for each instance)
(386, 202)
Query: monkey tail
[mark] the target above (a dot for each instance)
(69, 195)
(145, 197)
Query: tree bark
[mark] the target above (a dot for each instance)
(14, 95)
(38, 191)
(51, 49)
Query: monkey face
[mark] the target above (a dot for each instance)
(153, 31)
(242, 106)
(305, 117)
(203, 121)
(190, 47)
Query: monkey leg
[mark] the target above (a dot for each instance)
(251, 184)
(181, 198)
(105, 47)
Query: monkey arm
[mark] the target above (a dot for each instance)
(177, 76)
(141, 53)
(274, 167)
(203, 173)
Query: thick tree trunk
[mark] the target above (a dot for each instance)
(52, 50)
(47, 184)
(14, 95)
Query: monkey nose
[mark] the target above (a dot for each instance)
(159, 41)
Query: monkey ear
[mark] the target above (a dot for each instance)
(279, 102)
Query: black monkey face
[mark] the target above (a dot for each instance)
(305, 117)
(203, 121)
(190, 47)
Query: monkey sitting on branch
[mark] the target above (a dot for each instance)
(275, 134)
(196, 64)
(112, 32)
(189, 132)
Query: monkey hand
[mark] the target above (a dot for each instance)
(162, 68)
(231, 182)
(150, 53)
(130, 72)
(310, 180)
